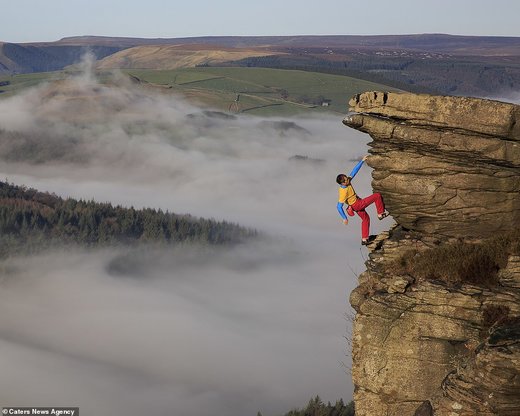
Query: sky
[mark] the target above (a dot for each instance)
(263, 326)
(50, 20)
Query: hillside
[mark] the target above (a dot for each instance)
(177, 56)
(453, 44)
(436, 63)
(27, 58)
(262, 91)
(31, 221)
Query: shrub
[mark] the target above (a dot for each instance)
(461, 262)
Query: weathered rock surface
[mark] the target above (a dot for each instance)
(488, 383)
(447, 167)
(429, 342)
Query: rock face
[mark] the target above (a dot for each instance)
(449, 170)
(446, 165)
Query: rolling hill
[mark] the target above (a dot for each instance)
(29, 58)
(441, 64)
(440, 43)
(178, 56)
(435, 63)
(262, 91)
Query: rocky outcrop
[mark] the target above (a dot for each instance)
(449, 171)
(446, 165)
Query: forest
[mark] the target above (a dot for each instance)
(31, 221)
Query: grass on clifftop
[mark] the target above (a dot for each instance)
(461, 262)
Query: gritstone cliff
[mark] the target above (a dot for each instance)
(437, 326)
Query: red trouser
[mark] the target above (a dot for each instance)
(360, 205)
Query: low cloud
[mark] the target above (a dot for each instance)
(186, 330)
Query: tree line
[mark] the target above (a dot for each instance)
(316, 407)
(31, 220)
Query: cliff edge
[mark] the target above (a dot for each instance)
(446, 165)
(437, 326)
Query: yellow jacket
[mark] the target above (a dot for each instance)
(347, 195)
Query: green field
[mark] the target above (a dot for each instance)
(17, 83)
(262, 91)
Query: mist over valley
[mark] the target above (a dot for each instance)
(187, 329)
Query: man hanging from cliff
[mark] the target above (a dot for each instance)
(348, 196)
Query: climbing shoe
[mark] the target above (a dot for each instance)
(383, 215)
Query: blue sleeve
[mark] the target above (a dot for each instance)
(339, 207)
(356, 168)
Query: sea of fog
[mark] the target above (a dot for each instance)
(191, 331)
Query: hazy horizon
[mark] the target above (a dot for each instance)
(188, 330)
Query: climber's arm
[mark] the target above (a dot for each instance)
(341, 212)
(356, 168)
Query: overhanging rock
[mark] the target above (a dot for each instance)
(445, 165)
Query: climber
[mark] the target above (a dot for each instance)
(348, 196)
